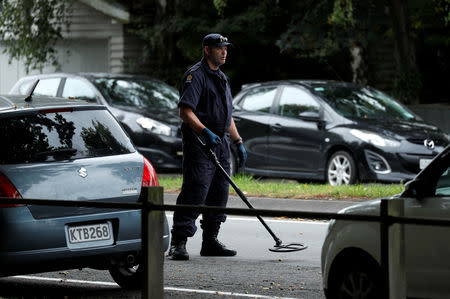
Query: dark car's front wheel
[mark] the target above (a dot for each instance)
(341, 169)
(128, 277)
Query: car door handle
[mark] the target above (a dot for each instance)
(277, 127)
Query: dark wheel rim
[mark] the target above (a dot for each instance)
(357, 285)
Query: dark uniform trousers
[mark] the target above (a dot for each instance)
(202, 185)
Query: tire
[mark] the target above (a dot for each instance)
(360, 279)
(129, 278)
(341, 169)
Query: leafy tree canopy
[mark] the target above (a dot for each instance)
(30, 30)
(272, 39)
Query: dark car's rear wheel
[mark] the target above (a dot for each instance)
(356, 279)
(128, 277)
(341, 169)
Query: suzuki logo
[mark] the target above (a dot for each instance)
(82, 172)
(428, 143)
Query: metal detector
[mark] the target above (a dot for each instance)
(279, 246)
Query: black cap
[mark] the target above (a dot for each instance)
(215, 39)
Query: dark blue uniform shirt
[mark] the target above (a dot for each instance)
(208, 93)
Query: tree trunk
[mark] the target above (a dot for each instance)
(405, 48)
(358, 65)
(405, 53)
(165, 45)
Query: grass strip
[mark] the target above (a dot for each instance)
(252, 187)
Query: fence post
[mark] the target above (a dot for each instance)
(384, 247)
(152, 246)
(397, 275)
(392, 238)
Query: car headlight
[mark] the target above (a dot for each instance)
(154, 126)
(374, 138)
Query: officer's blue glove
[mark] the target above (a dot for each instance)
(242, 154)
(211, 139)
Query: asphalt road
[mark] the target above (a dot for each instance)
(255, 272)
(309, 205)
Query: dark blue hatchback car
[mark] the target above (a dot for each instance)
(54, 148)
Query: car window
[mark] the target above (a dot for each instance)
(443, 185)
(294, 101)
(25, 86)
(47, 137)
(138, 92)
(47, 87)
(259, 99)
(78, 89)
(362, 102)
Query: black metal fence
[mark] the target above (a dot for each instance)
(152, 230)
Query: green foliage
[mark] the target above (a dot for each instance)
(322, 28)
(407, 86)
(30, 30)
(342, 13)
(272, 39)
(442, 8)
(248, 24)
(220, 6)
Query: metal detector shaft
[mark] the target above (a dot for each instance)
(215, 160)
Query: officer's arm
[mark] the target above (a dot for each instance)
(188, 117)
(234, 134)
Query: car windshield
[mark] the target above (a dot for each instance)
(138, 92)
(362, 102)
(65, 135)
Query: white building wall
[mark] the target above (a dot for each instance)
(95, 43)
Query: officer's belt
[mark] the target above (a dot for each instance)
(219, 133)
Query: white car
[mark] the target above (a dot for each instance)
(351, 251)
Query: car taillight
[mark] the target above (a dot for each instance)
(7, 189)
(149, 178)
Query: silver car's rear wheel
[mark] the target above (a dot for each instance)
(361, 280)
(128, 277)
(341, 169)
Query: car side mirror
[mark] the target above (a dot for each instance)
(413, 189)
(309, 115)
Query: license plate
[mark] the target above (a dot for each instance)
(98, 234)
(424, 163)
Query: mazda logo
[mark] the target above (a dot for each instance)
(82, 172)
(428, 143)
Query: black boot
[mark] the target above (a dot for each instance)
(210, 245)
(177, 249)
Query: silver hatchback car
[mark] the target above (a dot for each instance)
(351, 254)
(63, 149)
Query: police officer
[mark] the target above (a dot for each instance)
(205, 106)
